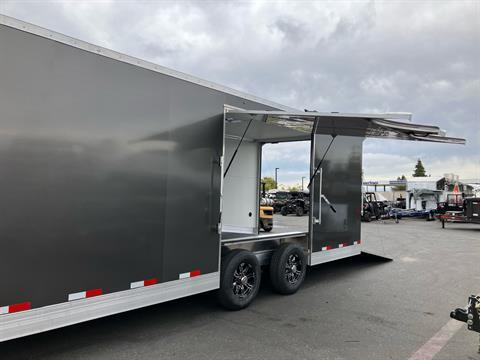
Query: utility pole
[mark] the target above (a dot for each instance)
(276, 179)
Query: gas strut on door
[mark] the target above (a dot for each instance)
(238, 146)
(318, 168)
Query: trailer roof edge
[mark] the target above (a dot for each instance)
(115, 55)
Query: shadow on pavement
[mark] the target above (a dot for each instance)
(160, 321)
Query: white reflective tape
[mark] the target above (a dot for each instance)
(355, 243)
(340, 246)
(184, 275)
(324, 248)
(137, 284)
(3, 310)
(77, 296)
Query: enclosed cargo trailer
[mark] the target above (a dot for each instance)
(99, 154)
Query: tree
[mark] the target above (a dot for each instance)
(269, 182)
(400, 187)
(419, 169)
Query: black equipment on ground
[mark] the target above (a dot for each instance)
(470, 314)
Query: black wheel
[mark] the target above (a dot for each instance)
(284, 211)
(267, 228)
(287, 268)
(299, 211)
(239, 279)
(367, 217)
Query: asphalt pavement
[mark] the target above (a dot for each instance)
(357, 308)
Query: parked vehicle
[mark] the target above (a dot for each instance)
(100, 153)
(429, 215)
(298, 203)
(280, 200)
(470, 213)
(372, 209)
(454, 203)
(266, 218)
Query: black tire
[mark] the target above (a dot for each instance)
(299, 211)
(367, 217)
(239, 279)
(267, 228)
(287, 268)
(284, 211)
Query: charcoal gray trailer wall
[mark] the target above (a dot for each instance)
(109, 172)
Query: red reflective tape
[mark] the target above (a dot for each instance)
(328, 247)
(19, 307)
(148, 282)
(93, 292)
(194, 273)
(344, 244)
(359, 241)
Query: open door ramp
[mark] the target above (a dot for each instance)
(372, 257)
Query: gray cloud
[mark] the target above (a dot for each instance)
(421, 57)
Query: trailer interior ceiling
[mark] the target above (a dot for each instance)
(247, 130)
(277, 126)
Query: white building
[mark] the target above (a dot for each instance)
(424, 193)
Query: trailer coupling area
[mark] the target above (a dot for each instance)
(470, 315)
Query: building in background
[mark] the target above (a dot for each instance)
(424, 193)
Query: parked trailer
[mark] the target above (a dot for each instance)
(470, 213)
(99, 155)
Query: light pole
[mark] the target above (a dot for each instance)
(303, 177)
(276, 181)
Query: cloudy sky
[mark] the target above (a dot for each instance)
(420, 57)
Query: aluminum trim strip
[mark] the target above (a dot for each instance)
(321, 257)
(264, 237)
(440, 139)
(313, 115)
(401, 126)
(55, 316)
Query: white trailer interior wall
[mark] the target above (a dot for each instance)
(240, 187)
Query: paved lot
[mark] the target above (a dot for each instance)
(359, 308)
